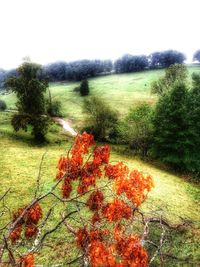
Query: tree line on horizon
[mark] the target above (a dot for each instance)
(83, 69)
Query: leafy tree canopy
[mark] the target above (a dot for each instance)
(31, 103)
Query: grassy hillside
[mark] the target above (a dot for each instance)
(122, 91)
(173, 196)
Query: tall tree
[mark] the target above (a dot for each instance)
(193, 115)
(165, 58)
(171, 134)
(31, 103)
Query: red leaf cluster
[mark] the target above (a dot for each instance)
(135, 186)
(29, 220)
(66, 187)
(131, 252)
(81, 147)
(117, 210)
(101, 155)
(73, 167)
(112, 248)
(123, 252)
(95, 200)
(27, 261)
(101, 255)
(82, 237)
(96, 217)
(116, 171)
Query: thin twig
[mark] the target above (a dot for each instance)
(39, 174)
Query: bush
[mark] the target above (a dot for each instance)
(101, 119)
(54, 108)
(136, 129)
(3, 105)
(84, 88)
(176, 72)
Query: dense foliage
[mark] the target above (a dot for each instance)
(173, 74)
(171, 127)
(54, 108)
(84, 88)
(31, 103)
(129, 63)
(75, 71)
(3, 105)
(136, 129)
(165, 58)
(101, 119)
(177, 128)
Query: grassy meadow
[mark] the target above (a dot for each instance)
(121, 91)
(174, 197)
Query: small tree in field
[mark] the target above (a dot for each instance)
(31, 103)
(84, 88)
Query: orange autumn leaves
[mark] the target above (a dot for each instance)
(103, 247)
(27, 223)
(74, 167)
(120, 252)
(104, 240)
(27, 261)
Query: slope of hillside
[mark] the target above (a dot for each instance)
(122, 91)
(172, 197)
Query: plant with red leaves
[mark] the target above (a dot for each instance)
(104, 236)
(105, 246)
(28, 222)
(27, 260)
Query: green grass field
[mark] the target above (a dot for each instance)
(174, 196)
(121, 91)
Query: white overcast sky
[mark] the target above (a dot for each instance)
(51, 30)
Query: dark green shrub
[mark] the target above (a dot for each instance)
(174, 139)
(101, 119)
(3, 105)
(84, 88)
(54, 108)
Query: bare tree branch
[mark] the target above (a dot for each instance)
(39, 174)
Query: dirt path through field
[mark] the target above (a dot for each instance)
(65, 124)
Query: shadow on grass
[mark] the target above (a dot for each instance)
(25, 138)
